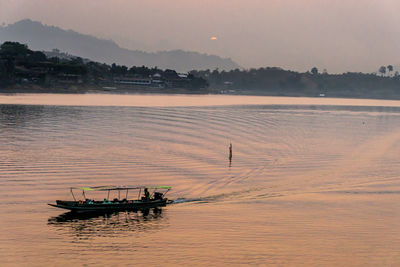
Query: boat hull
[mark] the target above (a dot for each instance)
(75, 206)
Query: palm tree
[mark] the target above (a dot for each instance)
(390, 69)
(314, 71)
(382, 70)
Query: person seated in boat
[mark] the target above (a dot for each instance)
(158, 196)
(88, 201)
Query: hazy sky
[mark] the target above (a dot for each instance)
(339, 35)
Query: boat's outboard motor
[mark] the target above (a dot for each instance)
(158, 196)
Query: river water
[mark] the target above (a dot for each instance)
(312, 181)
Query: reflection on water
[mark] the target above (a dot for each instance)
(152, 100)
(112, 224)
(11, 115)
(312, 181)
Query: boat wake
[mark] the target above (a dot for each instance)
(236, 195)
(187, 200)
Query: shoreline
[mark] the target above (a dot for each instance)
(85, 89)
(82, 89)
(183, 100)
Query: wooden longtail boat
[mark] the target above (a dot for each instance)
(153, 199)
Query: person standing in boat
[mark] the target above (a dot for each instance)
(230, 152)
(146, 194)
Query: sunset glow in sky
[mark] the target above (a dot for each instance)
(337, 35)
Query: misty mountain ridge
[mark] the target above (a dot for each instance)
(47, 38)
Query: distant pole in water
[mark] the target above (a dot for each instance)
(230, 152)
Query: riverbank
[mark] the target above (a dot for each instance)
(82, 89)
(85, 89)
(181, 100)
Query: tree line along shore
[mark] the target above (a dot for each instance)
(25, 70)
(274, 81)
(22, 69)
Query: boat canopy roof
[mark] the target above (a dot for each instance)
(112, 187)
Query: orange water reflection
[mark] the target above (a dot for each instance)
(152, 100)
(309, 184)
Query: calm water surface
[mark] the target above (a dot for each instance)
(312, 181)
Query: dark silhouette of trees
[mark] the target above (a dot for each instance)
(20, 64)
(118, 70)
(276, 81)
(390, 68)
(37, 56)
(314, 71)
(382, 70)
(14, 49)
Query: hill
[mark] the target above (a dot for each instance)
(42, 37)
